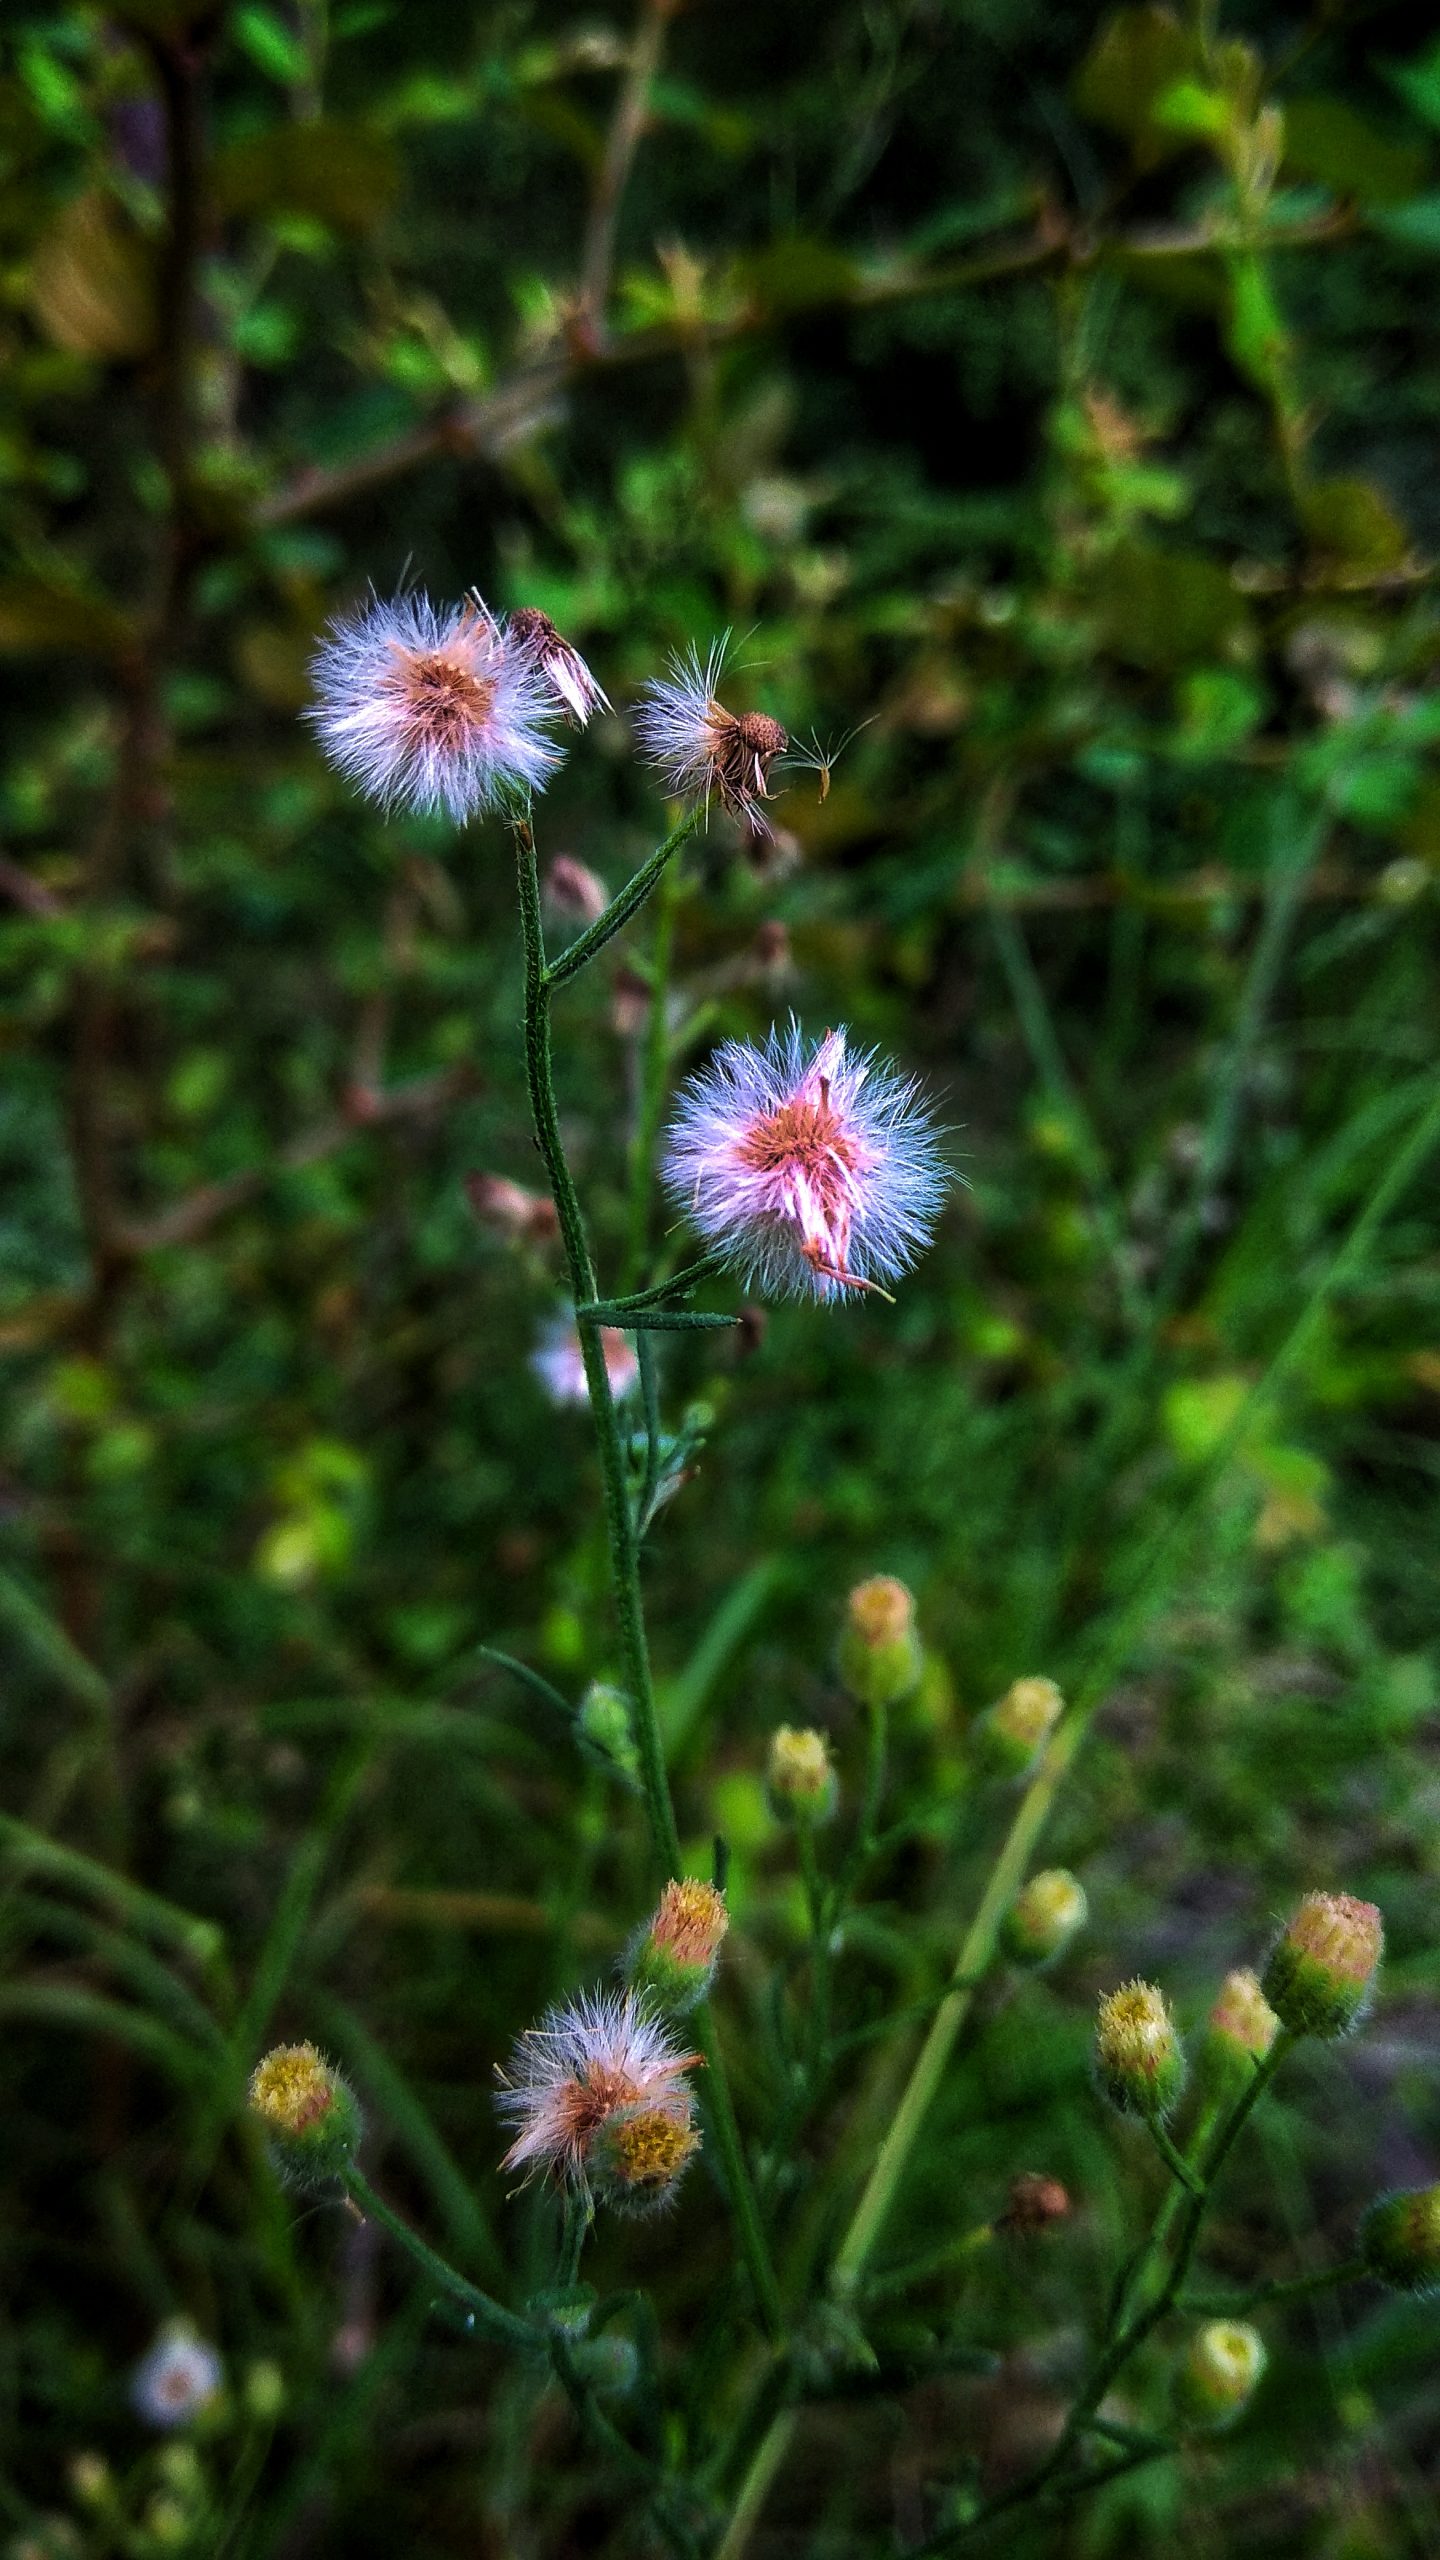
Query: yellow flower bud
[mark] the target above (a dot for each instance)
(880, 1660)
(309, 2113)
(1218, 2373)
(1013, 1732)
(1138, 2060)
(801, 1782)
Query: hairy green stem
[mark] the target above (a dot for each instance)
(628, 903)
(716, 2105)
(653, 1062)
(489, 2317)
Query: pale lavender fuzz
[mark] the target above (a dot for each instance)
(814, 1170)
(432, 709)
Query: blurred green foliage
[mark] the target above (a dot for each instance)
(1052, 401)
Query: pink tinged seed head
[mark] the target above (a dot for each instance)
(559, 1363)
(593, 2063)
(432, 709)
(700, 750)
(814, 1171)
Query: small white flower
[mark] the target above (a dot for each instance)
(177, 2378)
(432, 710)
(559, 1363)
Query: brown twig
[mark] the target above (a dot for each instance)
(627, 126)
(187, 1219)
(534, 394)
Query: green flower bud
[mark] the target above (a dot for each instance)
(1239, 2032)
(264, 2392)
(1218, 2373)
(1045, 1916)
(799, 1778)
(1400, 2240)
(1012, 1733)
(673, 1959)
(607, 1731)
(609, 2363)
(1322, 1967)
(310, 2114)
(1138, 2060)
(880, 1658)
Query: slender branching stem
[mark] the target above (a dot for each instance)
(489, 2316)
(628, 903)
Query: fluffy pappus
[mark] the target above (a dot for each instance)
(700, 750)
(813, 1170)
(432, 709)
(596, 2095)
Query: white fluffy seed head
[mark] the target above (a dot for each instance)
(812, 1168)
(433, 709)
(593, 2063)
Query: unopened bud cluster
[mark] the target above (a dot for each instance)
(309, 2113)
(1138, 2059)
(672, 1960)
(800, 1780)
(1049, 1911)
(1013, 1732)
(1322, 1968)
(880, 1658)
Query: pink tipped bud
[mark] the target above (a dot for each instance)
(1240, 2029)
(309, 2114)
(509, 1210)
(1322, 1967)
(1044, 1917)
(1034, 2202)
(1218, 2373)
(1400, 2240)
(1012, 1733)
(672, 1962)
(801, 1782)
(1138, 2060)
(577, 894)
(879, 1657)
(629, 1003)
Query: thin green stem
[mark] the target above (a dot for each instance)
(1174, 2159)
(629, 901)
(621, 1537)
(654, 1062)
(1288, 2289)
(489, 2317)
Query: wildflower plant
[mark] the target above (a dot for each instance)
(810, 1169)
